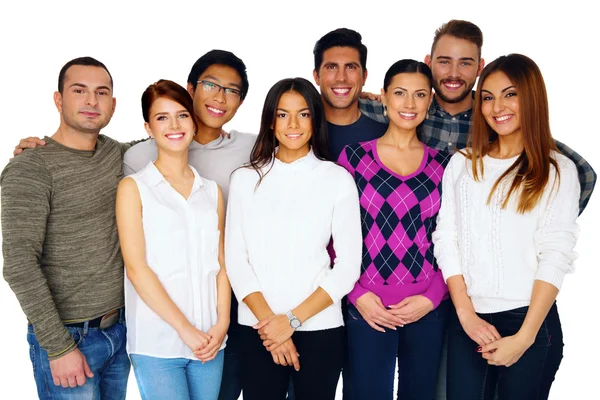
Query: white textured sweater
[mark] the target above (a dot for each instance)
(277, 235)
(500, 252)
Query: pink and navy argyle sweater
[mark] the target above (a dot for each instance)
(398, 218)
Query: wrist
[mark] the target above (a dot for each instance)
(526, 337)
(465, 313)
(293, 319)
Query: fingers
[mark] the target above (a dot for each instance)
(295, 360)
(262, 323)
(72, 380)
(86, 369)
(375, 326)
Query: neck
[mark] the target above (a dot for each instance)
(507, 146)
(456, 108)
(172, 164)
(207, 134)
(75, 139)
(400, 138)
(342, 116)
(290, 155)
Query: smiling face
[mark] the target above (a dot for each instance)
(214, 107)
(340, 77)
(293, 124)
(455, 65)
(86, 104)
(170, 124)
(407, 99)
(500, 105)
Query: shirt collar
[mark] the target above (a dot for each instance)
(154, 177)
(435, 107)
(309, 161)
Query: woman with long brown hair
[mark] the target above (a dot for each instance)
(504, 240)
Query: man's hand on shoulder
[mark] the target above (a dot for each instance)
(70, 370)
(28, 143)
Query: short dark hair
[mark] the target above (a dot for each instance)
(459, 29)
(408, 66)
(264, 148)
(170, 90)
(341, 37)
(221, 57)
(85, 61)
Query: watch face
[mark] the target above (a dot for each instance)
(295, 323)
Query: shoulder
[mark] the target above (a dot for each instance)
(565, 165)
(366, 121)
(109, 142)
(335, 175)
(244, 176)
(440, 156)
(357, 150)
(141, 153)
(30, 163)
(245, 140)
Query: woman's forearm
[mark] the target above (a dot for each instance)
(543, 296)
(314, 304)
(458, 292)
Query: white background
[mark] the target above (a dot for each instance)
(156, 40)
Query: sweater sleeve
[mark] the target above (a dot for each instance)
(437, 290)
(26, 202)
(347, 241)
(557, 233)
(445, 237)
(241, 274)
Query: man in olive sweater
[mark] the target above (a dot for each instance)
(60, 243)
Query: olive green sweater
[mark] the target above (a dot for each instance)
(59, 236)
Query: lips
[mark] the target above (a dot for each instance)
(175, 136)
(503, 118)
(341, 91)
(90, 114)
(453, 84)
(294, 136)
(407, 116)
(216, 112)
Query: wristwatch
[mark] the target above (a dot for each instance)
(294, 322)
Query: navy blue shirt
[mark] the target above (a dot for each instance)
(363, 130)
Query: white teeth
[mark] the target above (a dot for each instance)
(502, 118)
(408, 115)
(215, 110)
(453, 85)
(293, 135)
(341, 91)
(175, 136)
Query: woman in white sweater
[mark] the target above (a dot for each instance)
(504, 240)
(283, 209)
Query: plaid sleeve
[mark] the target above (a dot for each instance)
(373, 109)
(587, 175)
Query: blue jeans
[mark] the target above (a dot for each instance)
(470, 377)
(106, 355)
(418, 347)
(177, 378)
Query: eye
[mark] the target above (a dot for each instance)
(399, 93)
(184, 115)
(232, 91)
(281, 115)
(161, 118)
(305, 115)
(444, 62)
(486, 97)
(511, 94)
(465, 64)
(421, 94)
(351, 66)
(209, 85)
(78, 91)
(330, 66)
(102, 92)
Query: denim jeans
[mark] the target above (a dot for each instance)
(470, 377)
(417, 346)
(106, 355)
(177, 378)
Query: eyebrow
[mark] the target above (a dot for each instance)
(283, 109)
(502, 91)
(214, 78)
(344, 64)
(406, 90)
(460, 58)
(166, 113)
(76, 84)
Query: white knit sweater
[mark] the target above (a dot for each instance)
(500, 252)
(277, 235)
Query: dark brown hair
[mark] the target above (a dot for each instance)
(459, 29)
(170, 90)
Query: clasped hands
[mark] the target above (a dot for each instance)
(497, 350)
(276, 333)
(409, 310)
(205, 345)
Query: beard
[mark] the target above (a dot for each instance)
(458, 97)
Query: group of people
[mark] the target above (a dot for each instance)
(356, 231)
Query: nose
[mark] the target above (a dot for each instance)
(219, 95)
(498, 104)
(410, 102)
(340, 74)
(174, 125)
(91, 98)
(293, 122)
(455, 71)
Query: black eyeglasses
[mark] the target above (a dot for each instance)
(209, 86)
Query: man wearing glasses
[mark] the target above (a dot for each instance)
(218, 83)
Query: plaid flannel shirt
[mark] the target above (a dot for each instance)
(443, 131)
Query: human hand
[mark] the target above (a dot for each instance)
(505, 351)
(371, 308)
(274, 330)
(217, 334)
(28, 143)
(480, 331)
(412, 308)
(370, 96)
(286, 354)
(194, 338)
(70, 370)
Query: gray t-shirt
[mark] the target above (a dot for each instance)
(215, 160)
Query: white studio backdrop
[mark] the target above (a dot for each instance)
(152, 40)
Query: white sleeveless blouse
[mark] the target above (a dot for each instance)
(182, 242)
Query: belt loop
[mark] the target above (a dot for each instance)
(86, 326)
